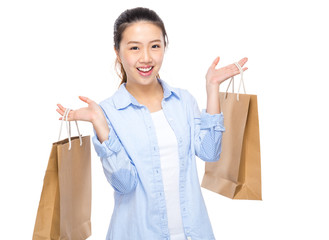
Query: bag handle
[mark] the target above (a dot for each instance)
(68, 127)
(232, 81)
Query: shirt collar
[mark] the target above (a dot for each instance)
(122, 98)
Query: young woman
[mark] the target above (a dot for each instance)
(147, 136)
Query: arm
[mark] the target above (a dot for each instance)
(209, 125)
(208, 131)
(119, 170)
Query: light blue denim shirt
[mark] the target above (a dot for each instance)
(131, 163)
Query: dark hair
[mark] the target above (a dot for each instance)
(132, 16)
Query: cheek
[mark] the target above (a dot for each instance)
(158, 57)
(128, 61)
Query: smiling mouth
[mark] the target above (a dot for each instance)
(145, 70)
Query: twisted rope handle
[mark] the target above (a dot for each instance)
(68, 127)
(232, 81)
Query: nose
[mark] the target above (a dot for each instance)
(146, 56)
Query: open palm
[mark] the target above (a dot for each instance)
(217, 76)
(88, 113)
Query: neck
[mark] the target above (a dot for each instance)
(143, 92)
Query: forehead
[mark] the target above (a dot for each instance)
(142, 32)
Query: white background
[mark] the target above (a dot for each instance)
(53, 51)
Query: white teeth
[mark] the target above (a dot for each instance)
(144, 69)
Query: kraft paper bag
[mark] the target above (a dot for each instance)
(237, 174)
(65, 205)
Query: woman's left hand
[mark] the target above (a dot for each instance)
(215, 77)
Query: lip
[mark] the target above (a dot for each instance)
(146, 74)
(147, 66)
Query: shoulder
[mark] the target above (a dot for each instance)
(107, 103)
(182, 94)
(117, 100)
(185, 96)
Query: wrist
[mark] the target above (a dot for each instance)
(212, 88)
(101, 127)
(98, 118)
(211, 83)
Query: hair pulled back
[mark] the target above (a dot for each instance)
(129, 17)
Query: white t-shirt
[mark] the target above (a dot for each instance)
(168, 149)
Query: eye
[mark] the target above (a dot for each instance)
(156, 46)
(134, 48)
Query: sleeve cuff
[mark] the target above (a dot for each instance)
(212, 120)
(108, 147)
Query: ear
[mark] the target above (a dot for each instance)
(118, 56)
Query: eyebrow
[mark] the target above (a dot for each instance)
(135, 42)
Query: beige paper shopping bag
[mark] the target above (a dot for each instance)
(237, 174)
(65, 205)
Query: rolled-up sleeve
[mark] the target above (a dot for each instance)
(119, 169)
(108, 147)
(208, 132)
(210, 121)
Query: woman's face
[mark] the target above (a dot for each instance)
(141, 52)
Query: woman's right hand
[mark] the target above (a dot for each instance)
(92, 113)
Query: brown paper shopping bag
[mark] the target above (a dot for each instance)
(237, 174)
(65, 205)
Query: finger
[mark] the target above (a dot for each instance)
(61, 107)
(85, 99)
(60, 111)
(243, 61)
(69, 116)
(215, 62)
(232, 69)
